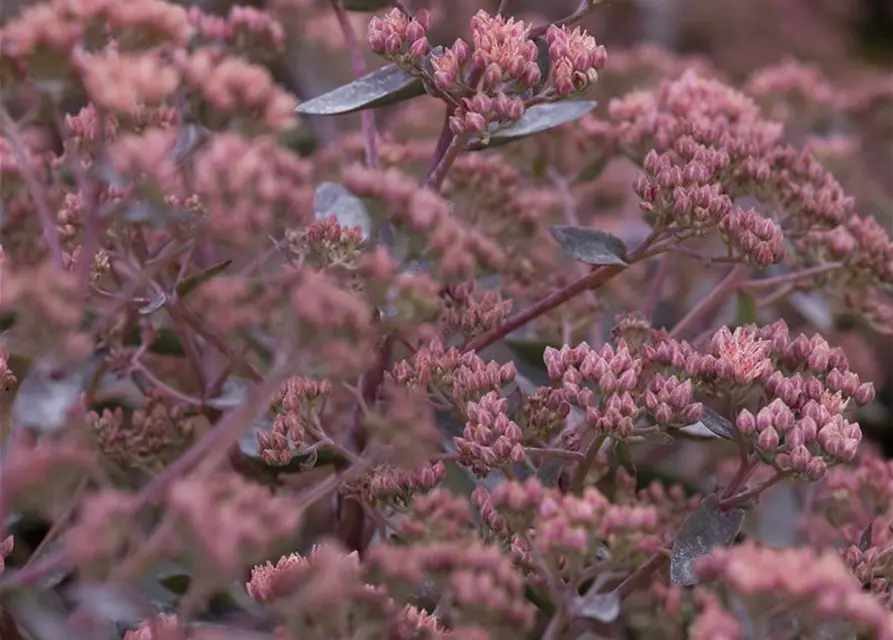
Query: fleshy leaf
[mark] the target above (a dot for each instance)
(604, 607)
(706, 528)
(716, 424)
(655, 435)
(331, 199)
(385, 86)
(49, 391)
(189, 284)
(590, 246)
(538, 118)
(231, 395)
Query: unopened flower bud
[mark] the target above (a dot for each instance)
(768, 440)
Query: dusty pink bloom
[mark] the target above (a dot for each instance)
(741, 356)
(796, 575)
(7, 377)
(148, 440)
(6, 548)
(490, 438)
(575, 57)
(235, 87)
(396, 486)
(461, 375)
(503, 51)
(247, 185)
(399, 37)
(271, 581)
(792, 85)
(488, 588)
(423, 213)
(162, 627)
(39, 27)
(122, 83)
(232, 518)
(438, 515)
(713, 622)
(134, 24)
(671, 401)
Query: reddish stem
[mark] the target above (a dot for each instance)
(728, 285)
(789, 278)
(367, 117)
(598, 277)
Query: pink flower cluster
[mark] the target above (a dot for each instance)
(796, 576)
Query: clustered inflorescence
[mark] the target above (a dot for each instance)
(408, 382)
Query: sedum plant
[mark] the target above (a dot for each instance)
(431, 379)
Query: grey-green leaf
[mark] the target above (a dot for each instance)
(604, 607)
(538, 118)
(590, 246)
(49, 391)
(331, 199)
(705, 529)
(717, 424)
(385, 86)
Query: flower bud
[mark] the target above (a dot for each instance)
(746, 423)
(768, 440)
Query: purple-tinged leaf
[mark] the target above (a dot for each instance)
(590, 246)
(331, 199)
(48, 392)
(655, 435)
(705, 529)
(603, 607)
(385, 86)
(596, 604)
(536, 119)
(716, 424)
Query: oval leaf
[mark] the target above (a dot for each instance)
(590, 246)
(706, 528)
(233, 394)
(331, 199)
(716, 424)
(387, 85)
(538, 118)
(603, 607)
(49, 391)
